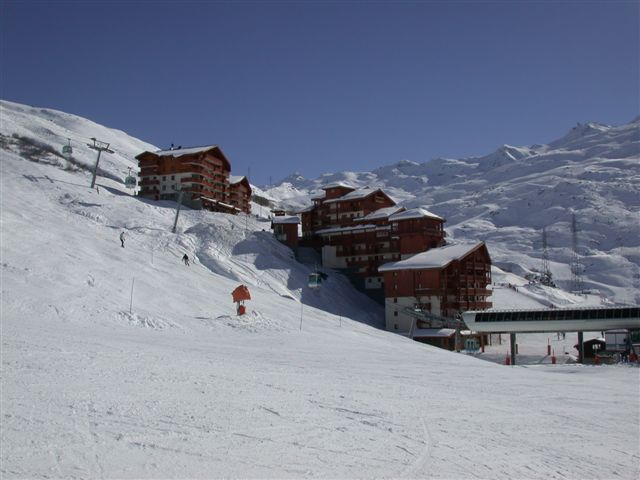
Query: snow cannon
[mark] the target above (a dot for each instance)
(240, 294)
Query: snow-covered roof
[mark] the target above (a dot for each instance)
(306, 209)
(176, 152)
(380, 214)
(433, 332)
(222, 204)
(233, 179)
(337, 185)
(345, 229)
(434, 258)
(414, 213)
(291, 219)
(355, 195)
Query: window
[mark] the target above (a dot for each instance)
(395, 326)
(173, 177)
(395, 314)
(164, 177)
(395, 300)
(164, 187)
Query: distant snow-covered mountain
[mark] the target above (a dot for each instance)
(504, 198)
(509, 195)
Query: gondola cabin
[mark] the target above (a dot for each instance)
(130, 182)
(315, 280)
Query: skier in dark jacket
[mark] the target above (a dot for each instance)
(185, 259)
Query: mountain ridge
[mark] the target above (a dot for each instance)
(504, 198)
(507, 196)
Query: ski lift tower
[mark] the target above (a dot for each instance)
(576, 266)
(546, 271)
(100, 147)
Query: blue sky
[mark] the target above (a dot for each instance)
(319, 87)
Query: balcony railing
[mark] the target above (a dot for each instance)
(147, 181)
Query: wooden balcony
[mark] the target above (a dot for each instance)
(147, 181)
(203, 166)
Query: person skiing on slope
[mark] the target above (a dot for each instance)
(185, 259)
(122, 239)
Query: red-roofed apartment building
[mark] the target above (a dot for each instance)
(362, 231)
(202, 173)
(444, 281)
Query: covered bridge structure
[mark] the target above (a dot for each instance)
(553, 320)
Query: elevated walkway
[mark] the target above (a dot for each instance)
(553, 320)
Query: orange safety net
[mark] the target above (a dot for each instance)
(241, 293)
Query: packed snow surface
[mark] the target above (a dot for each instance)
(123, 362)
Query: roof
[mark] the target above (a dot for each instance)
(177, 152)
(337, 185)
(310, 208)
(355, 195)
(180, 152)
(237, 178)
(433, 332)
(414, 213)
(222, 204)
(434, 258)
(291, 219)
(380, 214)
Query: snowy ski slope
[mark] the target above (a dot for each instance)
(169, 383)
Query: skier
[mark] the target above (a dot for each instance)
(185, 259)
(122, 239)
